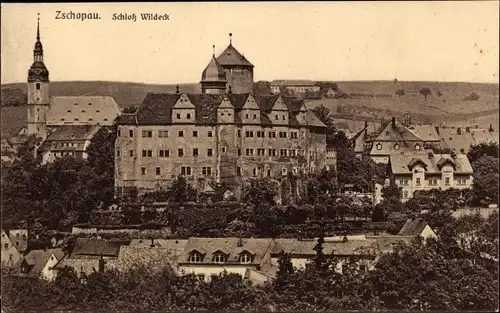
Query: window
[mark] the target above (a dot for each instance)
(272, 152)
(418, 181)
(201, 277)
(209, 152)
(195, 152)
(239, 133)
(178, 116)
(283, 152)
(117, 152)
(396, 146)
(417, 147)
(246, 116)
(284, 171)
(6, 246)
(195, 133)
(147, 153)
(119, 133)
(131, 133)
(143, 170)
(249, 133)
(249, 152)
(254, 172)
(219, 258)
(255, 116)
(209, 133)
(238, 171)
(447, 181)
(195, 257)
(268, 172)
(131, 153)
(147, 133)
(181, 133)
(245, 258)
(294, 135)
(163, 133)
(206, 171)
(239, 152)
(433, 181)
(180, 152)
(405, 194)
(272, 134)
(158, 171)
(188, 116)
(292, 152)
(185, 170)
(379, 146)
(261, 152)
(276, 117)
(282, 134)
(37, 86)
(164, 153)
(284, 117)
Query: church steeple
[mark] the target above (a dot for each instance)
(38, 71)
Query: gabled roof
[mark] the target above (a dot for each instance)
(260, 246)
(468, 136)
(396, 131)
(37, 259)
(18, 238)
(425, 132)
(313, 120)
(305, 248)
(400, 162)
(101, 110)
(413, 227)
(232, 57)
(89, 247)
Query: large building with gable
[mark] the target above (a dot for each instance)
(223, 135)
(65, 125)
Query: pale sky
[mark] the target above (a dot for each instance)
(339, 41)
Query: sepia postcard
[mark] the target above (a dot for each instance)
(250, 156)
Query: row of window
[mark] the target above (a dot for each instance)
(185, 171)
(207, 171)
(165, 153)
(396, 146)
(219, 257)
(248, 133)
(433, 181)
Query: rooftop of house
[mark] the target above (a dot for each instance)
(156, 108)
(460, 139)
(293, 82)
(82, 109)
(338, 247)
(68, 133)
(403, 163)
(95, 248)
(394, 131)
(232, 57)
(232, 248)
(426, 132)
(37, 259)
(413, 227)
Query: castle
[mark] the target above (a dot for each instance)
(64, 125)
(223, 135)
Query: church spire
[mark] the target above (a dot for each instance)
(230, 39)
(38, 51)
(38, 28)
(213, 50)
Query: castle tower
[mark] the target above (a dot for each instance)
(239, 71)
(38, 91)
(213, 78)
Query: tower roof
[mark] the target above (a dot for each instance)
(38, 71)
(231, 56)
(214, 72)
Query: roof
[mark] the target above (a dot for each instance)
(305, 247)
(82, 110)
(395, 147)
(425, 132)
(18, 238)
(89, 247)
(69, 133)
(179, 244)
(394, 132)
(386, 243)
(214, 72)
(401, 163)
(293, 82)
(232, 57)
(208, 246)
(38, 258)
(153, 258)
(156, 109)
(413, 227)
(451, 139)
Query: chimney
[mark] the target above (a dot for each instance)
(177, 89)
(393, 122)
(437, 129)
(101, 264)
(491, 128)
(240, 242)
(152, 242)
(459, 131)
(230, 91)
(344, 239)
(467, 129)
(45, 248)
(431, 155)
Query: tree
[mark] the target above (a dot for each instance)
(485, 183)
(472, 97)
(260, 192)
(483, 149)
(181, 191)
(425, 92)
(439, 93)
(400, 92)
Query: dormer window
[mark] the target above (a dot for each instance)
(195, 257)
(90, 103)
(245, 257)
(219, 257)
(83, 110)
(417, 147)
(188, 116)
(69, 111)
(76, 103)
(379, 146)
(396, 146)
(76, 119)
(97, 111)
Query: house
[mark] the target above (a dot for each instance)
(67, 140)
(40, 263)
(417, 227)
(426, 171)
(330, 93)
(248, 257)
(14, 244)
(297, 86)
(89, 255)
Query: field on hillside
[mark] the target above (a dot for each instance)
(12, 118)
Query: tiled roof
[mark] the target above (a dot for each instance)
(156, 109)
(153, 258)
(386, 243)
(72, 132)
(426, 132)
(395, 132)
(306, 247)
(401, 163)
(231, 56)
(37, 259)
(293, 82)
(413, 227)
(213, 72)
(160, 243)
(89, 247)
(82, 110)
(390, 147)
(451, 139)
(209, 246)
(17, 238)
